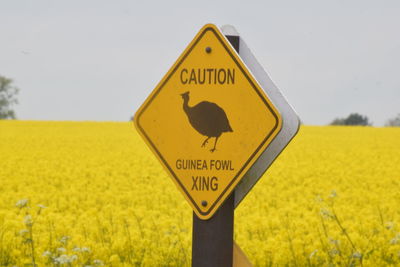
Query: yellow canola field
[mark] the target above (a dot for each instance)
(92, 194)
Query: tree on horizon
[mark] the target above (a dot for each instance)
(8, 98)
(352, 119)
(394, 122)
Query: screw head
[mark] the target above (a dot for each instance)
(208, 49)
(204, 203)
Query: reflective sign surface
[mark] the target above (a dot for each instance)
(208, 121)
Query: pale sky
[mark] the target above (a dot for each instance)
(98, 60)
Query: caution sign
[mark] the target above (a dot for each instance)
(208, 121)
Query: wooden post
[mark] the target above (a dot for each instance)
(212, 242)
(213, 239)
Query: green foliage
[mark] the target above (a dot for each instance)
(352, 119)
(8, 98)
(338, 121)
(394, 122)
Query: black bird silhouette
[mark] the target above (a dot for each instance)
(207, 118)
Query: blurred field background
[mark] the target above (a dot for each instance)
(92, 194)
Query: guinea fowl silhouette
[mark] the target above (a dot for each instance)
(207, 118)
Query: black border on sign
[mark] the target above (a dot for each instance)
(250, 158)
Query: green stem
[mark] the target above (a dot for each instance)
(32, 245)
(345, 233)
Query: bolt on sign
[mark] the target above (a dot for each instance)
(208, 121)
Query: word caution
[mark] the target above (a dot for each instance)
(207, 76)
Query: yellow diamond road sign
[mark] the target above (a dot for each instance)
(207, 121)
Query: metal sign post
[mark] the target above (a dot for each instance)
(290, 125)
(216, 122)
(212, 242)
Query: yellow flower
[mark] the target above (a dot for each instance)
(96, 191)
